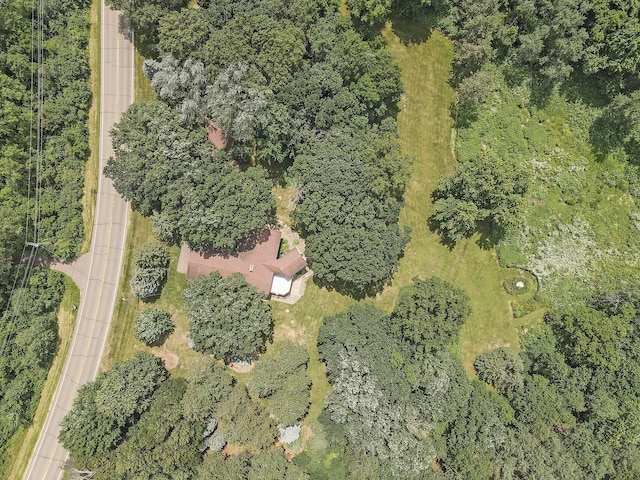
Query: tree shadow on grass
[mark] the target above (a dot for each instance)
(434, 227)
(163, 338)
(488, 237)
(413, 30)
(590, 89)
(409, 29)
(350, 290)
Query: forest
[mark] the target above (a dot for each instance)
(546, 121)
(28, 326)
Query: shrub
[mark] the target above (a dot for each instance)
(216, 442)
(290, 434)
(147, 282)
(152, 325)
(152, 255)
(152, 262)
(284, 247)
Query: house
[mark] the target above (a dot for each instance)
(257, 259)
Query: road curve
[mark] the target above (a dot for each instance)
(103, 262)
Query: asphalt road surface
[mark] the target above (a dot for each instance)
(101, 266)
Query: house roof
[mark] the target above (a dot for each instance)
(216, 136)
(257, 259)
(289, 264)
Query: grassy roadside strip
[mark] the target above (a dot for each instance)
(23, 443)
(120, 340)
(91, 172)
(122, 343)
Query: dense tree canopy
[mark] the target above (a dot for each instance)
(161, 443)
(244, 421)
(208, 385)
(29, 335)
(429, 313)
(266, 464)
(151, 153)
(349, 207)
(105, 409)
(371, 401)
(281, 377)
(590, 335)
(284, 81)
(501, 368)
(553, 414)
(166, 169)
(28, 327)
(227, 316)
(65, 147)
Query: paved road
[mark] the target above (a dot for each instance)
(100, 268)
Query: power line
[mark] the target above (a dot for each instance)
(37, 19)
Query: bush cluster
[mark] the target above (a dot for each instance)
(152, 324)
(152, 263)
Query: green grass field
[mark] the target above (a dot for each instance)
(427, 136)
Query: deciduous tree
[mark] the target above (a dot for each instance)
(429, 313)
(281, 377)
(152, 324)
(501, 368)
(227, 316)
(106, 408)
(487, 188)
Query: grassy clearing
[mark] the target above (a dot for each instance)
(122, 343)
(580, 239)
(142, 86)
(91, 172)
(427, 136)
(23, 442)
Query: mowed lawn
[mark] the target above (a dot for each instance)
(427, 136)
